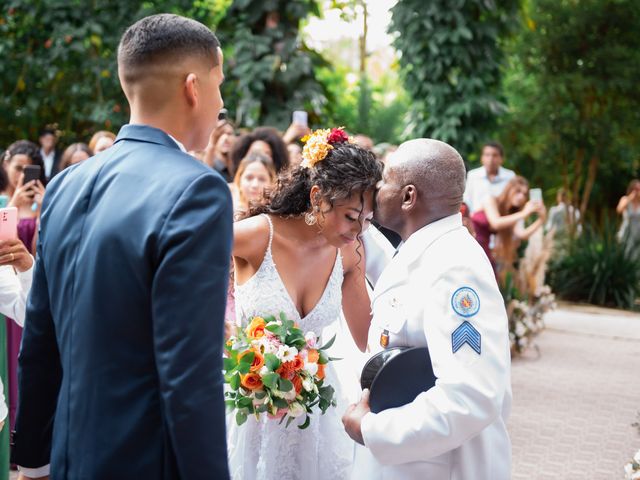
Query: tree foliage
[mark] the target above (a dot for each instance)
(59, 62)
(270, 71)
(573, 91)
(451, 58)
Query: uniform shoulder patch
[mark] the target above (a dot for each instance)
(465, 302)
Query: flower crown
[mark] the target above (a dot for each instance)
(317, 145)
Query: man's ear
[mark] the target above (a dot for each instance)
(409, 197)
(191, 90)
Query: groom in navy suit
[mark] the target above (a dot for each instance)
(120, 368)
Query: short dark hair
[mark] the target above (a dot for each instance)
(164, 38)
(497, 145)
(48, 131)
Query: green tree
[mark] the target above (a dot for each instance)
(572, 87)
(270, 71)
(59, 62)
(451, 60)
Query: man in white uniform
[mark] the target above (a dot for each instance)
(488, 180)
(438, 291)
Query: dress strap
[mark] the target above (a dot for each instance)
(270, 231)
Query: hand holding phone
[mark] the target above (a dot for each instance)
(535, 194)
(300, 117)
(8, 223)
(31, 172)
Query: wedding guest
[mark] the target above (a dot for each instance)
(24, 198)
(101, 140)
(488, 180)
(218, 151)
(256, 175)
(48, 152)
(363, 141)
(629, 208)
(16, 273)
(75, 153)
(265, 140)
(295, 154)
(562, 216)
(295, 132)
(504, 216)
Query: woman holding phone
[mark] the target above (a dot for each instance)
(25, 189)
(504, 217)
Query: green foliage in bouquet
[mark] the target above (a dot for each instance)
(272, 367)
(597, 268)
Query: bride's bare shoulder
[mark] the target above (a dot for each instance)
(250, 237)
(352, 256)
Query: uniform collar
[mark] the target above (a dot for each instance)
(397, 270)
(145, 133)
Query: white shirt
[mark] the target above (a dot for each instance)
(14, 288)
(479, 186)
(48, 161)
(457, 429)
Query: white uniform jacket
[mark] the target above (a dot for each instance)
(440, 291)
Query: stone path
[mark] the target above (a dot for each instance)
(575, 401)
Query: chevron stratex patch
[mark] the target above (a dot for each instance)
(466, 334)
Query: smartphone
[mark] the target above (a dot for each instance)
(31, 172)
(535, 194)
(4, 201)
(300, 117)
(8, 223)
(222, 115)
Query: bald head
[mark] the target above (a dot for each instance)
(434, 167)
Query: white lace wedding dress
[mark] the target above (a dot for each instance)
(265, 449)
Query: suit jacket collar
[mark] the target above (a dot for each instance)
(398, 269)
(145, 133)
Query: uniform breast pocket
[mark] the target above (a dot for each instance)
(390, 317)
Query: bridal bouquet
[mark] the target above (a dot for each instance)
(272, 367)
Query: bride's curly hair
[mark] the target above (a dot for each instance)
(346, 170)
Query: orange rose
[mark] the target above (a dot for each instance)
(320, 372)
(286, 370)
(298, 363)
(258, 359)
(313, 356)
(297, 384)
(251, 381)
(256, 328)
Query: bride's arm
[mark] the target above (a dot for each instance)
(250, 239)
(355, 299)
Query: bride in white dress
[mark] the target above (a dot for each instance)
(303, 256)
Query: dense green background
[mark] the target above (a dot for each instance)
(554, 80)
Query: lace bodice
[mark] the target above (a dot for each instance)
(266, 449)
(265, 294)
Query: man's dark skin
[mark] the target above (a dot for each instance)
(414, 192)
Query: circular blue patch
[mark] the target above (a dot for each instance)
(465, 302)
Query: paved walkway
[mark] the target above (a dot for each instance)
(575, 401)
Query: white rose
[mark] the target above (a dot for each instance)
(295, 409)
(263, 371)
(290, 395)
(312, 368)
(308, 384)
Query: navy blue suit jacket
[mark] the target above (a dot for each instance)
(120, 367)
